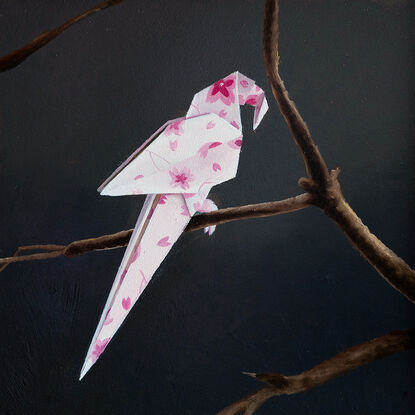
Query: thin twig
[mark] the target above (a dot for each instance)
(18, 56)
(350, 359)
(324, 185)
(120, 239)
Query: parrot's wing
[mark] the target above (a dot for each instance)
(161, 222)
(186, 157)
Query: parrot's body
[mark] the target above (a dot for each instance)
(176, 168)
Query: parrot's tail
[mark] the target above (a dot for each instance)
(162, 220)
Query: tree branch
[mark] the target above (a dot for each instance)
(120, 239)
(350, 359)
(323, 184)
(18, 56)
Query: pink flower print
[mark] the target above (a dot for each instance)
(252, 100)
(139, 176)
(203, 151)
(185, 211)
(173, 145)
(222, 90)
(164, 242)
(126, 303)
(176, 128)
(241, 100)
(235, 144)
(235, 124)
(244, 83)
(188, 195)
(180, 177)
(108, 318)
(210, 125)
(162, 200)
(222, 113)
(100, 346)
(216, 167)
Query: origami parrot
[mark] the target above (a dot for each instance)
(176, 167)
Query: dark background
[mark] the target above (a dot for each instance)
(275, 294)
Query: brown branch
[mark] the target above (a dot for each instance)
(120, 239)
(324, 185)
(350, 359)
(18, 56)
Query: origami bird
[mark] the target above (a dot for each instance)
(176, 167)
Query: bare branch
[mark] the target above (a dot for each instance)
(324, 185)
(18, 56)
(350, 359)
(120, 239)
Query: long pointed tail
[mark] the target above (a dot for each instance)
(161, 222)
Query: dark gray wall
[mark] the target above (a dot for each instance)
(276, 294)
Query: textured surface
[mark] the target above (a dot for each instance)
(287, 292)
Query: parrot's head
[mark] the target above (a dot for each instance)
(225, 96)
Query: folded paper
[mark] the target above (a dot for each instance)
(176, 167)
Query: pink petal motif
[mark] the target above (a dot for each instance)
(185, 211)
(100, 346)
(173, 145)
(164, 241)
(188, 195)
(140, 176)
(235, 124)
(244, 83)
(216, 167)
(181, 177)
(126, 303)
(162, 200)
(222, 90)
(203, 151)
(252, 100)
(222, 113)
(108, 318)
(175, 128)
(235, 144)
(136, 254)
(210, 125)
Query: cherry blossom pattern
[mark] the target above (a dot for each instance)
(252, 100)
(181, 177)
(203, 151)
(185, 211)
(216, 167)
(164, 242)
(235, 124)
(222, 113)
(108, 318)
(210, 125)
(126, 303)
(175, 128)
(139, 176)
(99, 348)
(244, 83)
(173, 145)
(222, 90)
(235, 144)
(162, 200)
